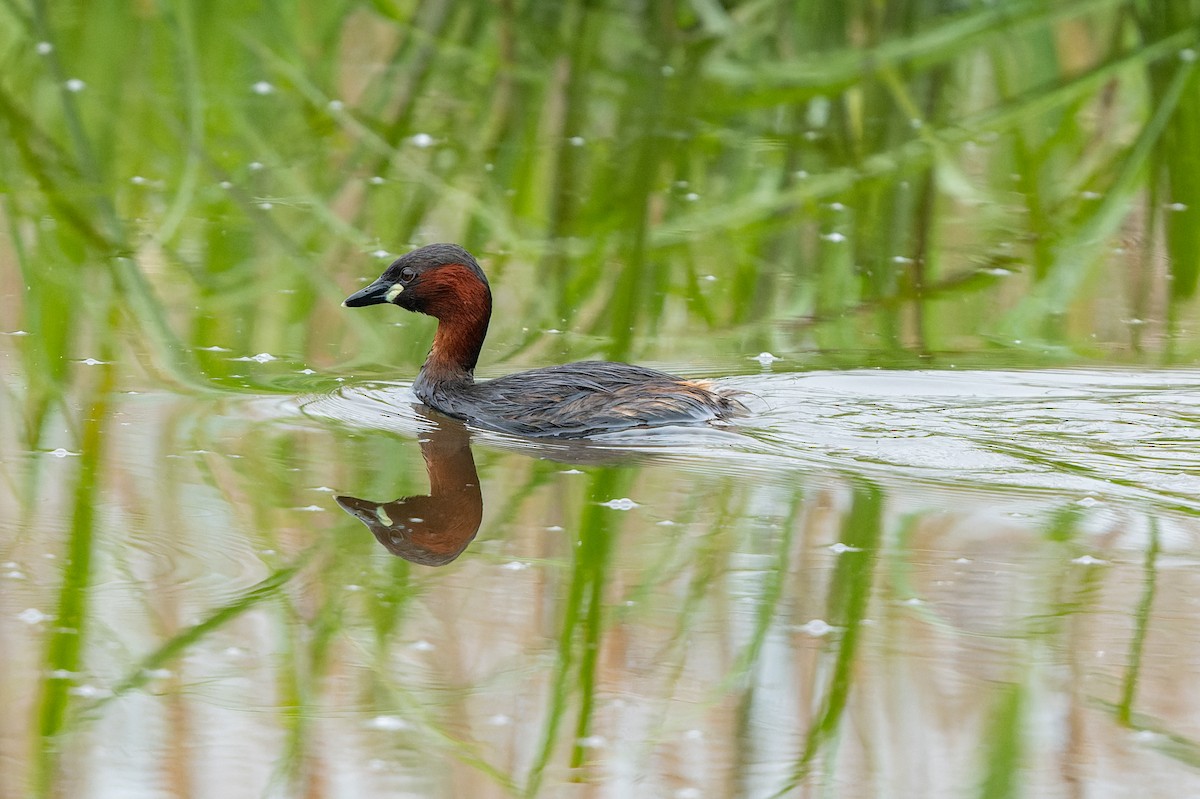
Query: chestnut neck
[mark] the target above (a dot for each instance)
(463, 310)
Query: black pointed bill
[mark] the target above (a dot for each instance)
(378, 292)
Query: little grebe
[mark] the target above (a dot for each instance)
(570, 401)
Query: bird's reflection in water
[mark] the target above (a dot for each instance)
(431, 530)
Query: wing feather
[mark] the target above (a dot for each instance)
(585, 398)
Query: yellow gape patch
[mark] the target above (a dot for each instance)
(393, 292)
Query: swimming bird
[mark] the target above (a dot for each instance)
(574, 400)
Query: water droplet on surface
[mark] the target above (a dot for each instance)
(834, 237)
(816, 628)
(421, 140)
(43, 48)
(335, 105)
(75, 85)
(625, 503)
(576, 141)
(1088, 560)
(765, 358)
(88, 691)
(262, 87)
(389, 723)
(32, 616)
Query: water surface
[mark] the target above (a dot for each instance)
(949, 252)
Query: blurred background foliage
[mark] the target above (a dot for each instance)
(188, 190)
(838, 183)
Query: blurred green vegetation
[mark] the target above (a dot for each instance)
(186, 185)
(839, 183)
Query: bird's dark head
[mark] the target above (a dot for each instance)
(442, 280)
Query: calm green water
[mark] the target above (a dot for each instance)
(950, 251)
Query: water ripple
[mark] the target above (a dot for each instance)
(1116, 434)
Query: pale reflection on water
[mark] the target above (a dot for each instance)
(887, 584)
